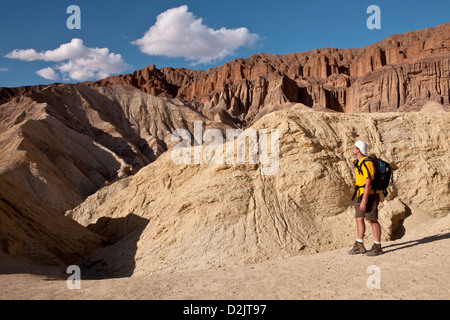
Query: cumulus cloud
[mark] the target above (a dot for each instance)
(48, 73)
(178, 33)
(77, 62)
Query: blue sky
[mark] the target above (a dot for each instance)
(115, 36)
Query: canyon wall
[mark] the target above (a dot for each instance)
(400, 73)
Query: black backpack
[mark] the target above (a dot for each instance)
(383, 175)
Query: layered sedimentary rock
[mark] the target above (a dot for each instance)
(405, 87)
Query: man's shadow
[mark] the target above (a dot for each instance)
(412, 243)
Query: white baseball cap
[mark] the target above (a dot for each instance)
(362, 146)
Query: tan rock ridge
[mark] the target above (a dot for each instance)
(209, 215)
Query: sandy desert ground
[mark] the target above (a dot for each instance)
(414, 267)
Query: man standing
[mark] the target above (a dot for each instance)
(367, 202)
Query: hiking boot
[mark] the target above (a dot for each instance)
(375, 251)
(358, 248)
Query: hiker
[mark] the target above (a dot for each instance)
(366, 205)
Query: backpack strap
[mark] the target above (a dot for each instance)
(367, 169)
(364, 163)
(360, 171)
(356, 191)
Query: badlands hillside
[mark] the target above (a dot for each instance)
(88, 176)
(175, 217)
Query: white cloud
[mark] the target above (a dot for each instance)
(4, 69)
(74, 49)
(178, 33)
(48, 73)
(78, 62)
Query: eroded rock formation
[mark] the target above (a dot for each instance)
(62, 144)
(401, 72)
